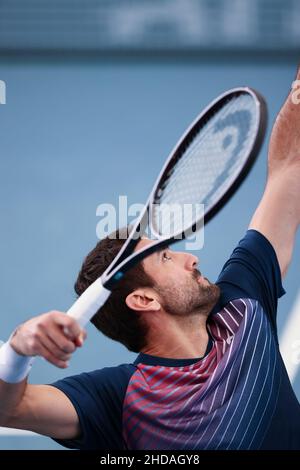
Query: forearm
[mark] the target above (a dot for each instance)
(14, 370)
(39, 408)
(281, 199)
(278, 215)
(11, 396)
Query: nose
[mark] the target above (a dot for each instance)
(191, 261)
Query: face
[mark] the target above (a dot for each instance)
(181, 287)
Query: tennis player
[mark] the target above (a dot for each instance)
(208, 374)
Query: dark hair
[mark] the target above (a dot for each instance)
(115, 319)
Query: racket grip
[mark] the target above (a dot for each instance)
(89, 302)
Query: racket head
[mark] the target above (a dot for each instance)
(237, 121)
(210, 161)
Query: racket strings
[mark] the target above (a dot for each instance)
(207, 166)
(199, 148)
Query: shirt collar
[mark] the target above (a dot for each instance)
(170, 362)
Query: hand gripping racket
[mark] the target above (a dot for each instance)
(207, 166)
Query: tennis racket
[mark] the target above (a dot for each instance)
(206, 166)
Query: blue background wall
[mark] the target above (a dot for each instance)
(77, 134)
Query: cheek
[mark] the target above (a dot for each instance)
(163, 277)
(167, 274)
(175, 277)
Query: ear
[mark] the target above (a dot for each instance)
(143, 300)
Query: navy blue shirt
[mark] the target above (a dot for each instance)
(237, 396)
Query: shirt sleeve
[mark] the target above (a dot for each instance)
(98, 400)
(252, 271)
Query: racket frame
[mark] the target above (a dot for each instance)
(126, 258)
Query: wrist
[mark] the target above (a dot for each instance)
(14, 367)
(12, 340)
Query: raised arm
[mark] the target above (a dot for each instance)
(277, 216)
(41, 408)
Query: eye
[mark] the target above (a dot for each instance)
(165, 256)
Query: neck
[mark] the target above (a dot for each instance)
(176, 337)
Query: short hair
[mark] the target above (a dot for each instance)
(115, 319)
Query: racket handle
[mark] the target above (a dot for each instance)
(89, 302)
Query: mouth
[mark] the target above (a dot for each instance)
(199, 278)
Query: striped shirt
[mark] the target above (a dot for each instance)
(237, 396)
